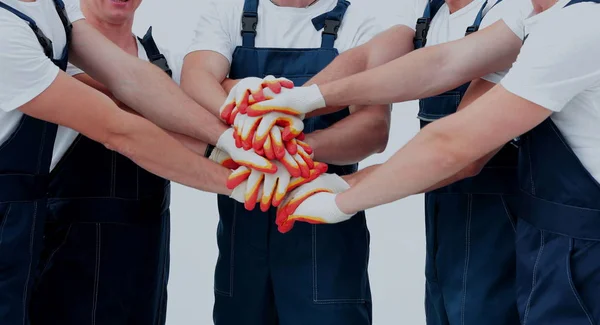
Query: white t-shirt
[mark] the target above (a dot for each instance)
(26, 71)
(447, 27)
(519, 16)
(559, 68)
(219, 26)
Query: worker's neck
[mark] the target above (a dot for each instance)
(456, 5)
(120, 34)
(293, 3)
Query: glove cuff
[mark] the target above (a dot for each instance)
(314, 98)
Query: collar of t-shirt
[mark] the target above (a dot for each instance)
(533, 19)
(316, 9)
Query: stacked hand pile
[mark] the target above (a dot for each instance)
(271, 164)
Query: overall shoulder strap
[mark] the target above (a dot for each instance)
(580, 1)
(330, 22)
(249, 22)
(479, 18)
(44, 41)
(423, 23)
(153, 53)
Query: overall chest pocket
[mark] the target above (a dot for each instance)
(433, 108)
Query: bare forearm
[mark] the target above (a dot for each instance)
(385, 47)
(154, 150)
(356, 137)
(205, 89)
(142, 86)
(428, 71)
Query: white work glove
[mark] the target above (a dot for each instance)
(222, 158)
(254, 131)
(247, 158)
(238, 99)
(298, 102)
(268, 189)
(313, 203)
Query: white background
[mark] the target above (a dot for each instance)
(397, 229)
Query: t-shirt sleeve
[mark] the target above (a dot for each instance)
(73, 10)
(73, 70)
(26, 71)
(212, 31)
(513, 13)
(556, 64)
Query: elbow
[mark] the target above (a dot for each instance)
(472, 170)
(381, 138)
(117, 136)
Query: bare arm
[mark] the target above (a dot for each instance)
(383, 48)
(201, 78)
(354, 138)
(141, 86)
(133, 136)
(428, 71)
(477, 89)
(193, 144)
(445, 147)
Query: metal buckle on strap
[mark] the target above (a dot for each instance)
(331, 27)
(249, 24)
(471, 30)
(421, 29)
(45, 42)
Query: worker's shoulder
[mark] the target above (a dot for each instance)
(13, 27)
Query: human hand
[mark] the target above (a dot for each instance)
(239, 97)
(297, 101)
(313, 202)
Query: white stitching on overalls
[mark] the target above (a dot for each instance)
(97, 275)
(467, 257)
(31, 240)
(573, 289)
(4, 223)
(508, 215)
(535, 266)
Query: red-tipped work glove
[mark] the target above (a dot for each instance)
(297, 101)
(254, 131)
(313, 202)
(268, 189)
(247, 158)
(239, 96)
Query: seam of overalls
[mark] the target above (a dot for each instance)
(4, 223)
(314, 255)
(508, 214)
(231, 257)
(56, 250)
(97, 272)
(165, 277)
(467, 257)
(533, 283)
(572, 285)
(31, 239)
(530, 168)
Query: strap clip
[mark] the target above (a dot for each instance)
(471, 30)
(161, 62)
(422, 29)
(332, 27)
(249, 23)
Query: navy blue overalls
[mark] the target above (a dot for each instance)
(313, 274)
(25, 159)
(470, 231)
(106, 248)
(558, 232)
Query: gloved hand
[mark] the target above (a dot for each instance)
(254, 131)
(247, 158)
(298, 101)
(238, 98)
(313, 202)
(274, 186)
(223, 159)
(295, 158)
